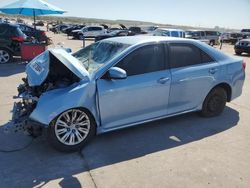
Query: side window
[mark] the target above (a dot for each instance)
(96, 29)
(211, 33)
(2, 30)
(144, 60)
(182, 55)
(206, 58)
(202, 33)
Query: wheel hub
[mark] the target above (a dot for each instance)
(72, 127)
(4, 56)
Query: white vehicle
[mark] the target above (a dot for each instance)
(245, 32)
(89, 32)
(211, 36)
(169, 32)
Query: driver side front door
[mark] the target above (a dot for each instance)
(143, 95)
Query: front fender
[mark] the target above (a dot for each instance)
(54, 102)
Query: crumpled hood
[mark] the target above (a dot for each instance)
(38, 69)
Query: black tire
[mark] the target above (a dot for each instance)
(58, 145)
(238, 53)
(80, 36)
(211, 42)
(9, 53)
(214, 103)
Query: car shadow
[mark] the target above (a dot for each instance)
(15, 67)
(42, 164)
(153, 137)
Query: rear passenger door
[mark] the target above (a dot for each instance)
(193, 74)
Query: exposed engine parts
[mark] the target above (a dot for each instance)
(28, 97)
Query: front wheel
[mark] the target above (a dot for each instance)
(238, 53)
(214, 103)
(71, 130)
(212, 43)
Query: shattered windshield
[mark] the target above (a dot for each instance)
(96, 55)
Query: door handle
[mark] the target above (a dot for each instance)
(213, 70)
(163, 80)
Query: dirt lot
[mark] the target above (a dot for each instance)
(185, 151)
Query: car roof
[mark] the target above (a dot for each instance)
(167, 29)
(94, 26)
(140, 39)
(144, 39)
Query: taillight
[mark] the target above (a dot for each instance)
(244, 64)
(18, 39)
(43, 33)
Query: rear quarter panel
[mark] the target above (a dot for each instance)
(233, 74)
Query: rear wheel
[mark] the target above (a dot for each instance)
(214, 103)
(71, 130)
(5, 56)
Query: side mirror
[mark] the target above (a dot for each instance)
(116, 73)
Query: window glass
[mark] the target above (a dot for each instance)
(96, 29)
(184, 55)
(206, 58)
(2, 30)
(144, 60)
(174, 34)
(211, 33)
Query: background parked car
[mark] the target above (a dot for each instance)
(212, 36)
(11, 38)
(39, 23)
(115, 33)
(242, 46)
(136, 31)
(246, 32)
(169, 32)
(69, 29)
(235, 37)
(38, 34)
(58, 28)
(88, 32)
(225, 37)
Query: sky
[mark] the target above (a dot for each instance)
(204, 13)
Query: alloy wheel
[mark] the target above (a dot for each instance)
(72, 127)
(4, 56)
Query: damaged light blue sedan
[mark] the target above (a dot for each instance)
(122, 82)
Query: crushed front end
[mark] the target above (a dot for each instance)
(25, 103)
(53, 69)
